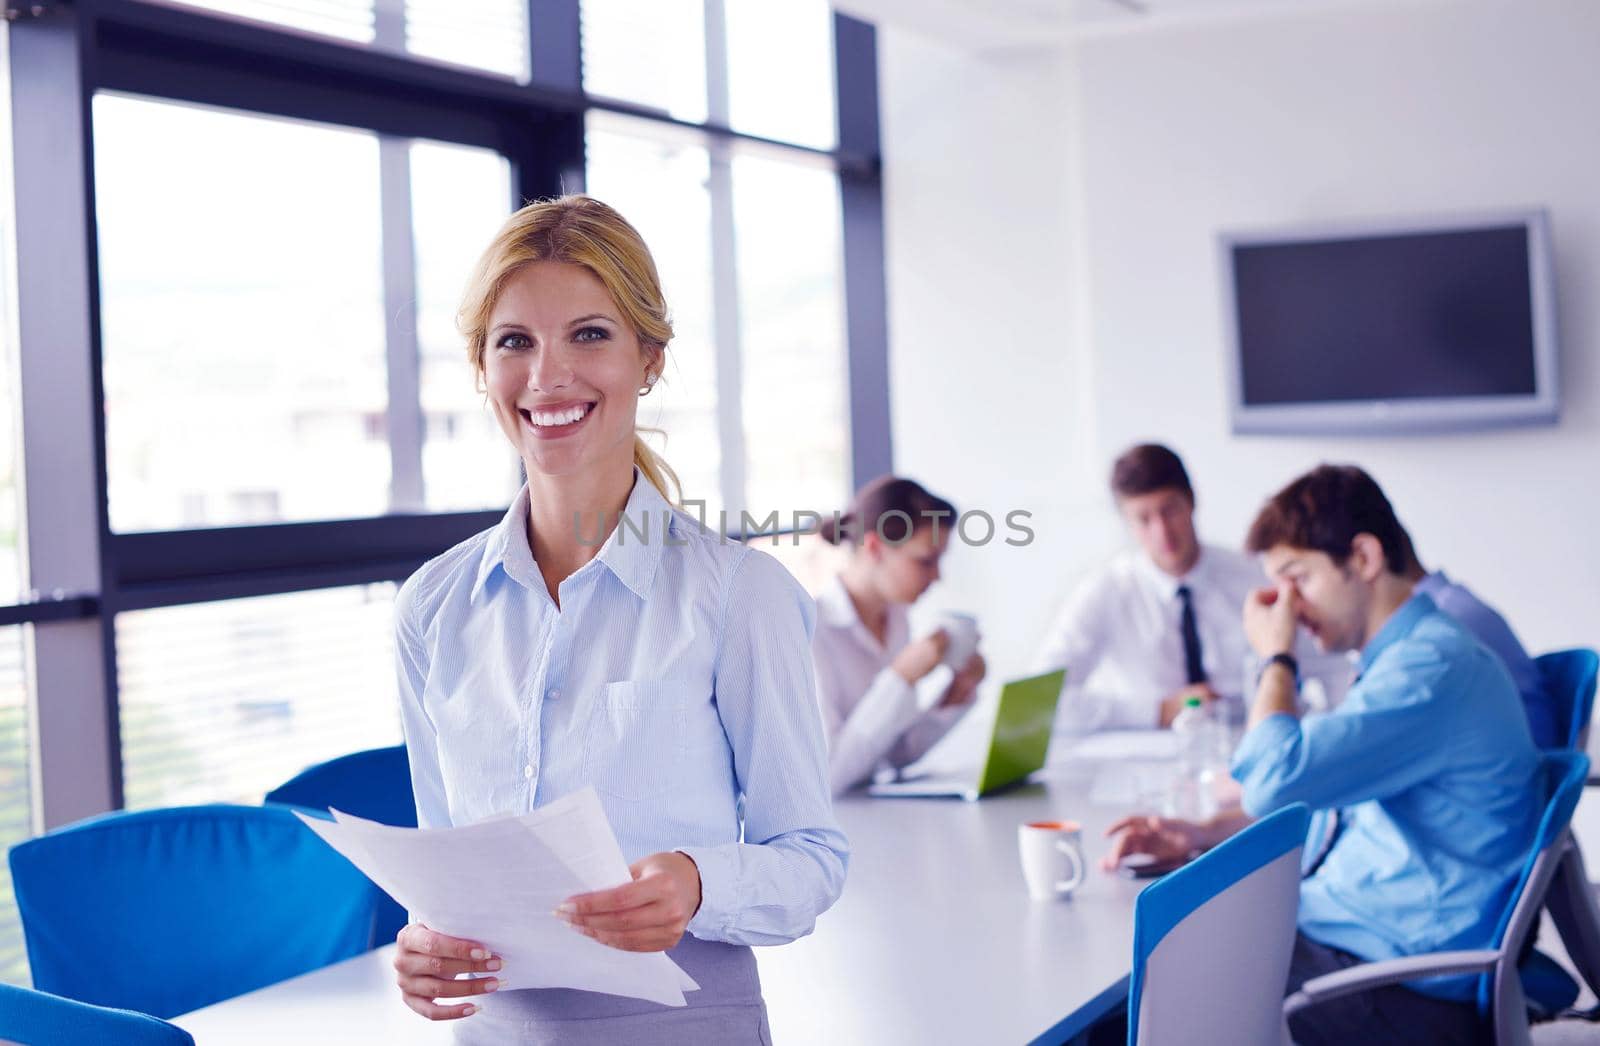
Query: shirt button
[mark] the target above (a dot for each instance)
(555, 694)
(527, 772)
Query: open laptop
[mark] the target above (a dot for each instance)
(1016, 748)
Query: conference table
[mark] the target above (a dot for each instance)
(935, 939)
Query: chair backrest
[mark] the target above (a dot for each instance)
(165, 911)
(35, 1018)
(375, 784)
(1569, 678)
(1208, 937)
(1500, 992)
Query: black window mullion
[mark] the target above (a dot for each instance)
(865, 293)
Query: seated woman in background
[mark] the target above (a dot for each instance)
(555, 651)
(868, 666)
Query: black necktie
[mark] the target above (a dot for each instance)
(1193, 666)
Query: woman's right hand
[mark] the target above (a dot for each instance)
(921, 656)
(427, 964)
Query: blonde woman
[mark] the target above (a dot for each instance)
(872, 676)
(557, 650)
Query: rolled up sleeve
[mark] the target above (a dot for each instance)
(1382, 740)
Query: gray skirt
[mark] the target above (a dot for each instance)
(726, 1009)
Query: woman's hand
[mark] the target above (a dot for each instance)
(646, 915)
(427, 964)
(921, 656)
(965, 685)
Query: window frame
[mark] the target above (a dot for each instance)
(61, 55)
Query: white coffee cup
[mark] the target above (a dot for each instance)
(1052, 858)
(962, 631)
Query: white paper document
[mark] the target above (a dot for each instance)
(498, 882)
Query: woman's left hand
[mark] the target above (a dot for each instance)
(646, 915)
(965, 684)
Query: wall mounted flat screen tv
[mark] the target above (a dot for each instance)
(1432, 324)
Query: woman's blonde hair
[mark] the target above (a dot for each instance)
(579, 230)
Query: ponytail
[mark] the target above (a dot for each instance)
(656, 470)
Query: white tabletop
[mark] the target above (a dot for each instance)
(934, 940)
(354, 1001)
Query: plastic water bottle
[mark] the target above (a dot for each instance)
(1193, 793)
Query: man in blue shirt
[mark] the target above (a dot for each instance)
(1427, 770)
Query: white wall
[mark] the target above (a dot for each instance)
(1362, 111)
(1053, 284)
(984, 368)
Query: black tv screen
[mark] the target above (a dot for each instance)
(1429, 327)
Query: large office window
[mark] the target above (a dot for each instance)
(16, 737)
(780, 70)
(282, 202)
(244, 319)
(755, 414)
(658, 179)
(651, 54)
(16, 797)
(484, 34)
(221, 702)
(242, 316)
(791, 311)
(16, 791)
(460, 196)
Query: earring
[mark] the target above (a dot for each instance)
(649, 383)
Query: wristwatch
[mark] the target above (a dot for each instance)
(1287, 661)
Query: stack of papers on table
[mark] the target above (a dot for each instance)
(498, 882)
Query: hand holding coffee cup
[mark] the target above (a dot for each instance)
(963, 632)
(921, 656)
(1052, 858)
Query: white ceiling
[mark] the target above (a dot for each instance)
(985, 24)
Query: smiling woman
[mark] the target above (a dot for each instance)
(566, 302)
(665, 667)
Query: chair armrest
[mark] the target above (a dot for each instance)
(1390, 971)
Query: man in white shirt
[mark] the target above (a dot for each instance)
(1159, 624)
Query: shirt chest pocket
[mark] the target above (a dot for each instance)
(640, 736)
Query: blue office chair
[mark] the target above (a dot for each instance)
(1569, 677)
(1209, 936)
(1501, 997)
(35, 1018)
(165, 911)
(375, 784)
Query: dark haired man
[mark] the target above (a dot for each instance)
(1159, 623)
(1425, 778)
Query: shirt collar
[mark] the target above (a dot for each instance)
(1164, 583)
(631, 552)
(836, 608)
(1428, 584)
(1399, 625)
(502, 538)
(633, 549)
(834, 604)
